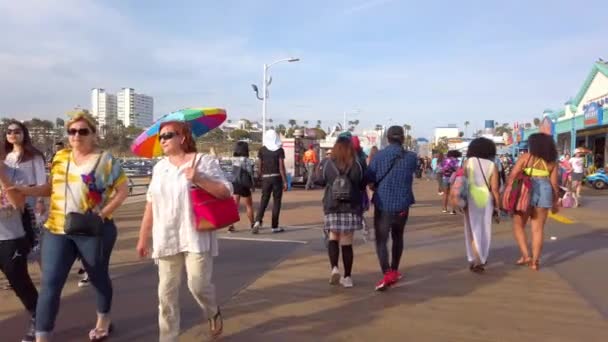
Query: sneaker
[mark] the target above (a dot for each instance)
(440, 193)
(256, 227)
(396, 276)
(231, 229)
(334, 278)
(385, 282)
(30, 335)
(278, 230)
(445, 211)
(346, 282)
(84, 282)
(453, 212)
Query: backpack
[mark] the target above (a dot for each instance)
(241, 177)
(341, 187)
(459, 189)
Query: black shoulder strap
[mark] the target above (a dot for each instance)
(391, 167)
(484, 175)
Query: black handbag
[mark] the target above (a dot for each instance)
(82, 224)
(29, 221)
(242, 177)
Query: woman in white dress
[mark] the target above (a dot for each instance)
(483, 195)
(175, 241)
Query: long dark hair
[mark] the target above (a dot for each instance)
(543, 146)
(241, 149)
(343, 154)
(29, 151)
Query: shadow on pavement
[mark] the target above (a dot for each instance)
(135, 303)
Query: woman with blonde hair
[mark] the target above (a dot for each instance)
(176, 243)
(86, 186)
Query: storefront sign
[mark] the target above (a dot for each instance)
(593, 114)
(600, 101)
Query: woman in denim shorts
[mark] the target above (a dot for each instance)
(541, 165)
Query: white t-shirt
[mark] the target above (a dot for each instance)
(31, 172)
(173, 228)
(578, 165)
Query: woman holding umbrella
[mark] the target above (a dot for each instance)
(168, 220)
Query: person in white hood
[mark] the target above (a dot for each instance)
(271, 166)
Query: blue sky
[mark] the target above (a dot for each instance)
(425, 63)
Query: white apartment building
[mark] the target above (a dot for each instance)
(451, 131)
(103, 107)
(135, 109)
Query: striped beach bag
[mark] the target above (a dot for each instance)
(516, 197)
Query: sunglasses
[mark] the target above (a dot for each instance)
(16, 131)
(81, 131)
(167, 136)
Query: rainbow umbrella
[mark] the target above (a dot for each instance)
(201, 121)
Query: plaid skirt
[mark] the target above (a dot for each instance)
(343, 222)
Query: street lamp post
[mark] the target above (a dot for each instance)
(265, 83)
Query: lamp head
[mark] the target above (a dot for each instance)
(291, 60)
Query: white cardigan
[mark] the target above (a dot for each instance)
(173, 230)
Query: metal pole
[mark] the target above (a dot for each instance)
(264, 96)
(344, 122)
(573, 136)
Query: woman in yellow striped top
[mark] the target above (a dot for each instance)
(83, 179)
(541, 165)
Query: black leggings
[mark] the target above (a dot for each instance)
(13, 263)
(393, 223)
(274, 186)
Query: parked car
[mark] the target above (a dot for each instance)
(598, 180)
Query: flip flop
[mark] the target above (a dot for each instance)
(98, 334)
(216, 324)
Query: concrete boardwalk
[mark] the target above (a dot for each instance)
(289, 299)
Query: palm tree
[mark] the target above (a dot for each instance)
(407, 129)
(305, 123)
(378, 127)
(536, 122)
(466, 126)
(318, 123)
(270, 121)
(353, 124)
(292, 123)
(281, 129)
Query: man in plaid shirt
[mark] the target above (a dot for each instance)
(391, 174)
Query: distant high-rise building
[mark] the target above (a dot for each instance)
(135, 109)
(103, 108)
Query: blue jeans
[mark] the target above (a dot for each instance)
(541, 193)
(58, 255)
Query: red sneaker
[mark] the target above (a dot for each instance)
(385, 282)
(396, 276)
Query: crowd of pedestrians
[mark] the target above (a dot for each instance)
(87, 184)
